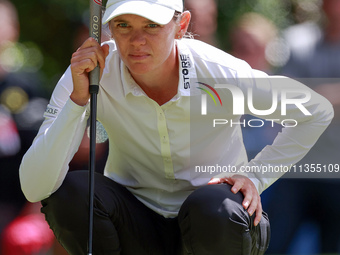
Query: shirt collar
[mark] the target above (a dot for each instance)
(187, 70)
(187, 73)
(129, 84)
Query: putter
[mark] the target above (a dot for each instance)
(94, 76)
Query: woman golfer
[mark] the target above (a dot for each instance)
(166, 144)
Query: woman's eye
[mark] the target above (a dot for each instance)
(123, 25)
(153, 25)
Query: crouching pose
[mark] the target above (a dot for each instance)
(176, 179)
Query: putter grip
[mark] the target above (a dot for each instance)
(95, 32)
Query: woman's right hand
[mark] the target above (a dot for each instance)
(83, 61)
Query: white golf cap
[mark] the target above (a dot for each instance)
(158, 11)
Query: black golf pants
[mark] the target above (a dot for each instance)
(211, 221)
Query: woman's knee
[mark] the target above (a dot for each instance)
(214, 202)
(213, 221)
(66, 207)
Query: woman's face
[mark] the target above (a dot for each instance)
(143, 45)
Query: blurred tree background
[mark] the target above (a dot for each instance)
(283, 13)
(48, 28)
(278, 11)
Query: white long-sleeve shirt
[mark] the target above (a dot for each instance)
(161, 153)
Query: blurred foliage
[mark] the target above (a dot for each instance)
(279, 11)
(52, 25)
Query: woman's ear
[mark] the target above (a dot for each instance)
(184, 24)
